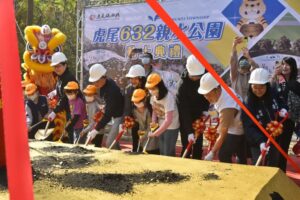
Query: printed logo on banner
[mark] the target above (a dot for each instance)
(154, 18)
(252, 17)
(104, 16)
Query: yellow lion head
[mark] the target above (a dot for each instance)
(42, 42)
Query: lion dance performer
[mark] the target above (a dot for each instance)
(42, 43)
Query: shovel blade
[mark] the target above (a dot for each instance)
(42, 135)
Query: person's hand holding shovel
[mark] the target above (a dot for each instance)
(92, 134)
(153, 127)
(141, 134)
(51, 116)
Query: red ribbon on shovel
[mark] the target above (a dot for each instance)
(128, 124)
(198, 126)
(211, 134)
(117, 138)
(271, 129)
(97, 117)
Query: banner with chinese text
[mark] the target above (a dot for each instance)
(110, 32)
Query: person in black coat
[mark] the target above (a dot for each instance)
(286, 88)
(191, 105)
(264, 106)
(59, 62)
(114, 105)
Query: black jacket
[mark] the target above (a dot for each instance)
(61, 83)
(294, 86)
(190, 103)
(114, 102)
(264, 110)
(39, 109)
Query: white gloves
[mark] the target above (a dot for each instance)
(209, 156)
(92, 134)
(263, 147)
(51, 116)
(283, 112)
(191, 137)
(52, 94)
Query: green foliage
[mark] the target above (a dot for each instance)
(60, 14)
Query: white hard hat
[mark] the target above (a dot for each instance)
(96, 72)
(207, 84)
(57, 58)
(259, 76)
(136, 71)
(45, 30)
(194, 67)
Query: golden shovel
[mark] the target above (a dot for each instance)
(153, 127)
(141, 134)
(145, 147)
(61, 137)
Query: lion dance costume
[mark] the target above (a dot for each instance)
(42, 43)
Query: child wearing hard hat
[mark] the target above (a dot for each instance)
(142, 116)
(36, 108)
(137, 78)
(191, 105)
(77, 111)
(264, 105)
(92, 107)
(231, 140)
(165, 113)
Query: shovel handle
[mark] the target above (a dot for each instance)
(187, 149)
(87, 141)
(47, 126)
(35, 125)
(139, 144)
(112, 144)
(117, 139)
(145, 147)
(62, 135)
(262, 154)
(77, 141)
(119, 135)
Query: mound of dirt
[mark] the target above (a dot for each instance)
(117, 183)
(66, 162)
(63, 149)
(211, 176)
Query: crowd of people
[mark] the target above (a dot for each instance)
(161, 112)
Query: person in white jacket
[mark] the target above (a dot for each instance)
(165, 113)
(231, 140)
